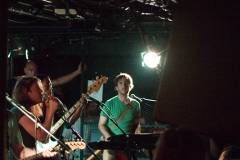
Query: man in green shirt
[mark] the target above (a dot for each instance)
(124, 110)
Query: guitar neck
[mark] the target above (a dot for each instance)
(60, 122)
(92, 88)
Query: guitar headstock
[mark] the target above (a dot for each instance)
(76, 145)
(97, 84)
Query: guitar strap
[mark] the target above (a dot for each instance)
(121, 116)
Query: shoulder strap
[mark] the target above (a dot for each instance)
(122, 115)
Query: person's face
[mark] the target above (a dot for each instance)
(35, 93)
(123, 86)
(30, 69)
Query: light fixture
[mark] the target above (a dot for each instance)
(63, 11)
(72, 11)
(60, 11)
(9, 54)
(98, 28)
(150, 59)
(26, 54)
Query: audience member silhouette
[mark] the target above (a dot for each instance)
(182, 144)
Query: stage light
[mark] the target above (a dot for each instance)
(63, 11)
(26, 54)
(98, 27)
(72, 11)
(47, 1)
(150, 59)
(60, 11)
(9, 54)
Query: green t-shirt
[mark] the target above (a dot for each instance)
(114, 107)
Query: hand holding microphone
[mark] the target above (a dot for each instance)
(51, 104)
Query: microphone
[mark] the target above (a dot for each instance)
(142, 99)
(136, 97)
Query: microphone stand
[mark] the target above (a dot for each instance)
(146, 102)
(108, 116)
(30, 116)
(143, 100)
(116, 124)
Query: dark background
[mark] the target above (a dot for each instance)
(200, 85)
(197, 88)
(109, 36)
(58, 55)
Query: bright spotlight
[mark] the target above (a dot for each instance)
(150, 59)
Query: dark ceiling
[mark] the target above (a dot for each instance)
(92, 27)
(91, 15)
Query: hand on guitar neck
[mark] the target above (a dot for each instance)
(94, 87)
(78, 111)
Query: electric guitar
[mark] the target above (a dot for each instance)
(92, 88)
(73, 145)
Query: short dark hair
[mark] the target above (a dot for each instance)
(123, 75)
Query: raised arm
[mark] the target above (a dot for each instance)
(68, 77)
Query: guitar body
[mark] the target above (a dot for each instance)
(40, 147)
(73, 145)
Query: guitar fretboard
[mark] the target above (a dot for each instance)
(59, 123)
